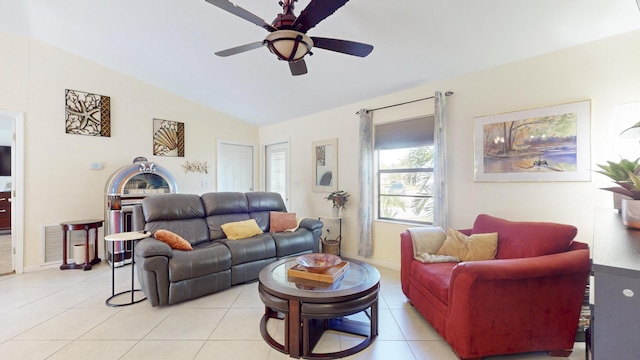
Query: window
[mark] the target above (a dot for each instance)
(405, 155)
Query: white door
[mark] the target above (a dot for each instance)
(235, 167)
(11, 245)
(276, 172)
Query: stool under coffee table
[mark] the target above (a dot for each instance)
(312, 307)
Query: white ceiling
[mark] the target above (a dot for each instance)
(171, 44)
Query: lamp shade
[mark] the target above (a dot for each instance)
(626, 130)
(289, 45)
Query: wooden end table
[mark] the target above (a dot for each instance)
(311, 307)
(86, 225)
(125, 236)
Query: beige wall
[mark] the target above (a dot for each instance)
(59, 185)
(605, 72)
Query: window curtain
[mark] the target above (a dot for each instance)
(365, 175)
(440, 211)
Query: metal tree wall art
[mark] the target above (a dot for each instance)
(168, 138)
(87, 114)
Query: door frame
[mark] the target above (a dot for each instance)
(17, 190)
(287, 144)
(219, 143)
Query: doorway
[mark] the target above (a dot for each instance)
(235, 167)
(276, 170)
(11, 190)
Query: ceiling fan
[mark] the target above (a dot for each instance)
(287, 37)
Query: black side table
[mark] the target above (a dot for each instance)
(125, 236)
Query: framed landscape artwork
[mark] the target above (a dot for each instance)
(544, 144)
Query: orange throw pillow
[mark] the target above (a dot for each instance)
(281, 221)
(172, 239)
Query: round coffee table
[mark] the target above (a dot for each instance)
(312, 307)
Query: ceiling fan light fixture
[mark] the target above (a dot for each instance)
(289, 45)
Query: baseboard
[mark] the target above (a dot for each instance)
(32, 268)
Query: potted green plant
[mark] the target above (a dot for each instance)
(620, 173)
(630, 209)
(339, 199)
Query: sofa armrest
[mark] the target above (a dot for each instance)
(315, 226)
(311, 224)
(150, 247)
(559, 264)
(406, 257)
(137, 218)
(533, 298)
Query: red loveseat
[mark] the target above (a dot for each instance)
(526, 299)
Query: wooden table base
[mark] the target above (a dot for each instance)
(86, 225)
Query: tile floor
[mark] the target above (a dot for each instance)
(54, 314)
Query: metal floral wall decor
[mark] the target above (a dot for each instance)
(195, 166)
(87, 114)
(168, 138)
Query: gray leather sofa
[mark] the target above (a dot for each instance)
(169, 276)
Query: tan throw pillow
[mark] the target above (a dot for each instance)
(281, 221)
(241, 229)
(172, 239)
(470, 248)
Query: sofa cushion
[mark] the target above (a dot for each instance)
(207, 258)
(172, 239)
(526, 239)
(261, 204)
(258, 247)
(215, 222)
(469, 248)
(434, 277)
(293, 243)
(225, 203)
(241, 229)
(195, 231)
(281, 221)
(265, 201)
(172, 207)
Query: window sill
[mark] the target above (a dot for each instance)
(400, 222)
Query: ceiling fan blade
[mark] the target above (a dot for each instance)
(316, 11)
(342, 46)
(298, 67)
(238, 11)
(240, 49)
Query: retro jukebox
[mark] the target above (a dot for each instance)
(125, 188)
